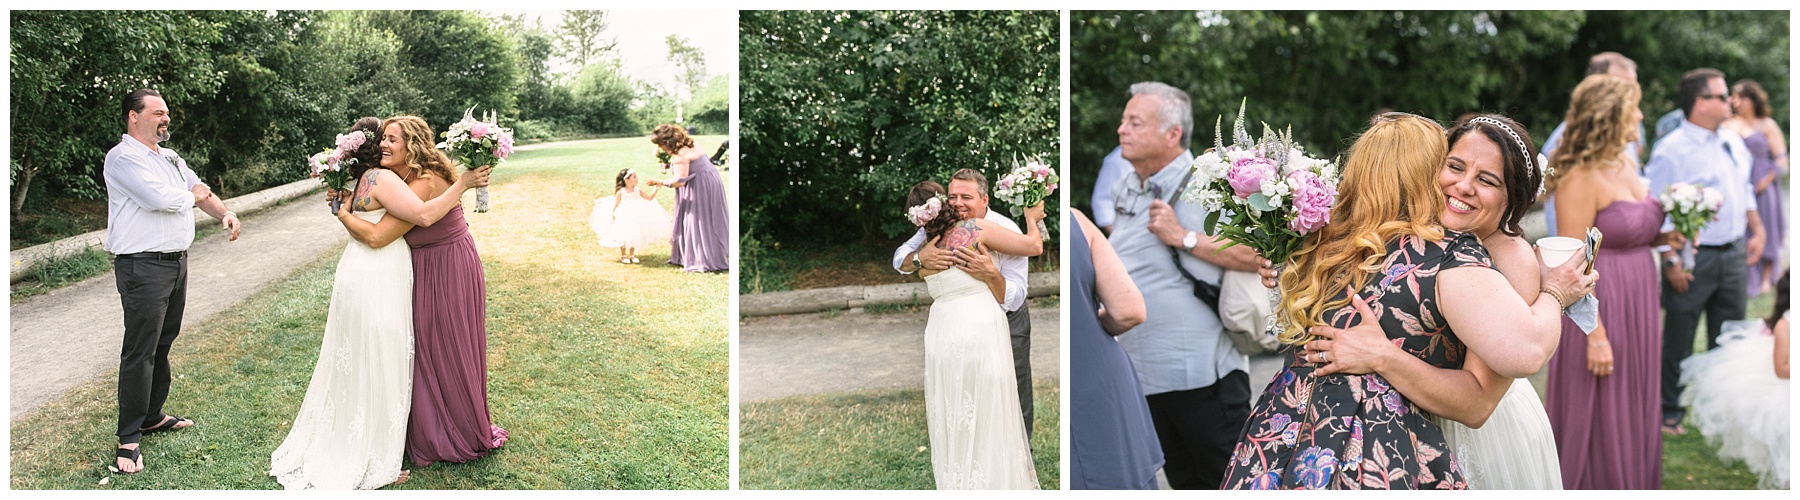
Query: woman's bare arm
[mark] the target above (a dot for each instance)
(392, 193)
(1121, 304)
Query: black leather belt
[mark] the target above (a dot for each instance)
(154, 255)
(1720, 248)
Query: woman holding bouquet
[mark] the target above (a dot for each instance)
(1430, 291)
(450, 420)
(350, 431)
(699, 240)
(972, 409)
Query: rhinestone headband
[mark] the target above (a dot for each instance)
(1523, 152)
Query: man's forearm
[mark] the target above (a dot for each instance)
(213, 206)
(1236, 258)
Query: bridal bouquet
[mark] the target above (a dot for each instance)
(332, 166)
(1028, 185)
(475, 143)
(1691, 207)
(1268, 193)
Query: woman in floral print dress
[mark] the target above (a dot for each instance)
(1429, 289)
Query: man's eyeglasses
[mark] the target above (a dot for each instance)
(1725, 98)
(1119, 206)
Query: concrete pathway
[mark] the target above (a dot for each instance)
(69, 336)
(781, 356)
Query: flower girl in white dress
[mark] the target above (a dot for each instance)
(630, 218)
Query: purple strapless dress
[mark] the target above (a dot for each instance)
(1770, 209)
(1607, 429)
(699, 241)
(449, 420)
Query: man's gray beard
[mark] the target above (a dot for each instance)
(162, 136)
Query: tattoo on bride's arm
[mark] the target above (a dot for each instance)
(362, 202)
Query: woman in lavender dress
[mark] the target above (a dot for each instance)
(1603, 389)
(1768, 160)
(698, 241)
(449, 420)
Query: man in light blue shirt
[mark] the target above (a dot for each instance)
(1699, 152)
(1196, 384)
(1112, 168)
(1607, 63)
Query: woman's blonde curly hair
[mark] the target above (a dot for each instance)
(1389, 189)
(1599, 126)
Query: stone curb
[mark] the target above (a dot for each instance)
(24, 260)
(849, 297)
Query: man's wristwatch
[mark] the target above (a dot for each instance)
(917, 266)
(1190, 241)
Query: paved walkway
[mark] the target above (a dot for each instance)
(69, 336)
(781, 356)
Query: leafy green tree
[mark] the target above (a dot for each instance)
(603, 94)
(578, 37)
(844, 111)
(690, 63)
(456, 59)
(69, 71)
(709, 111)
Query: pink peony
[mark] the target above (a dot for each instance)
(505, 146)
(478, 130)
(1312, 201)
(1247, 175)
(1042, 172)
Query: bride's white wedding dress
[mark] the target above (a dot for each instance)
(1515, 450)
(971, 398)
(351, 429)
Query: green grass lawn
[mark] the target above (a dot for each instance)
(864, 440)
(607, 375)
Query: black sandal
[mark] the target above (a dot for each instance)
(130, 454)
(169, 423)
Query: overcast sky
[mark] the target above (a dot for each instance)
(641, 37)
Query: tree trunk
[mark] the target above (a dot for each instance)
(22, 188)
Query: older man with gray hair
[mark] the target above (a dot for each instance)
(1196, 384)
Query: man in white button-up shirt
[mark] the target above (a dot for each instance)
(1699, 152)
(969, 197)
(150, 196)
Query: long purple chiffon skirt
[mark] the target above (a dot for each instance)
(700, 239)
(449, 420)
(1608, 433)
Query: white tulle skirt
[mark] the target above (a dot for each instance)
(635, 223)
(1737, 402)
(1515, 450)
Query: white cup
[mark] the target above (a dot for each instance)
(1559, 249)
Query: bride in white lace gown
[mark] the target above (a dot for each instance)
(350, 432)
(978, 438)
(351, 429)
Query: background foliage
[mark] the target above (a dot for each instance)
(844, 111)
(254, 92)
(1326, 73)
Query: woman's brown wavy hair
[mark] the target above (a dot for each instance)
(671, 137)
(422, 153)
(1389, 189)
